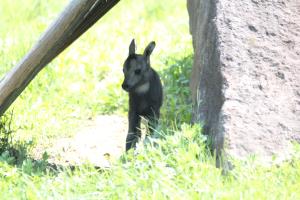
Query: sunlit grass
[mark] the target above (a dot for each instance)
(175, 167)
(84, 81)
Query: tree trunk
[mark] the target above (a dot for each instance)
(77, 17)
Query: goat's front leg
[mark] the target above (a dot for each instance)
(134, 130)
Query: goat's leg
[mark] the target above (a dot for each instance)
(134, 131)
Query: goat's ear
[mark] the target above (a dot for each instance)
(132, 47)
(149, 49)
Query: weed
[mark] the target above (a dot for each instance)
(177, 98)
(11, 151)
(5, 133)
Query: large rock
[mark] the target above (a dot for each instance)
(246, 74)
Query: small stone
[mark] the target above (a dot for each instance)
(252, 28)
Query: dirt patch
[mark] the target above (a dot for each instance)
(99, 142)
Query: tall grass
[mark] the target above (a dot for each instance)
(84, 81)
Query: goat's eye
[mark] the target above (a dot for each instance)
(137, 71)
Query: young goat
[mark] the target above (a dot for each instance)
(145, 92)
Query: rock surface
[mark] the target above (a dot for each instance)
(246, 74)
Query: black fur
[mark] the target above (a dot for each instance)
(143, 104)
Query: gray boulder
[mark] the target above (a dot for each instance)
(246, 75)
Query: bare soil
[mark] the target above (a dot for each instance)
(99, 142)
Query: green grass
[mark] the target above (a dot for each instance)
(84, 81)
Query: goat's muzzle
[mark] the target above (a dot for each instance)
(125, 87)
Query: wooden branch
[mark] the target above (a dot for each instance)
(76, 18)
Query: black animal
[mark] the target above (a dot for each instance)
(145, 92)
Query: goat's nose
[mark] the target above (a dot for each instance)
(125, 86)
